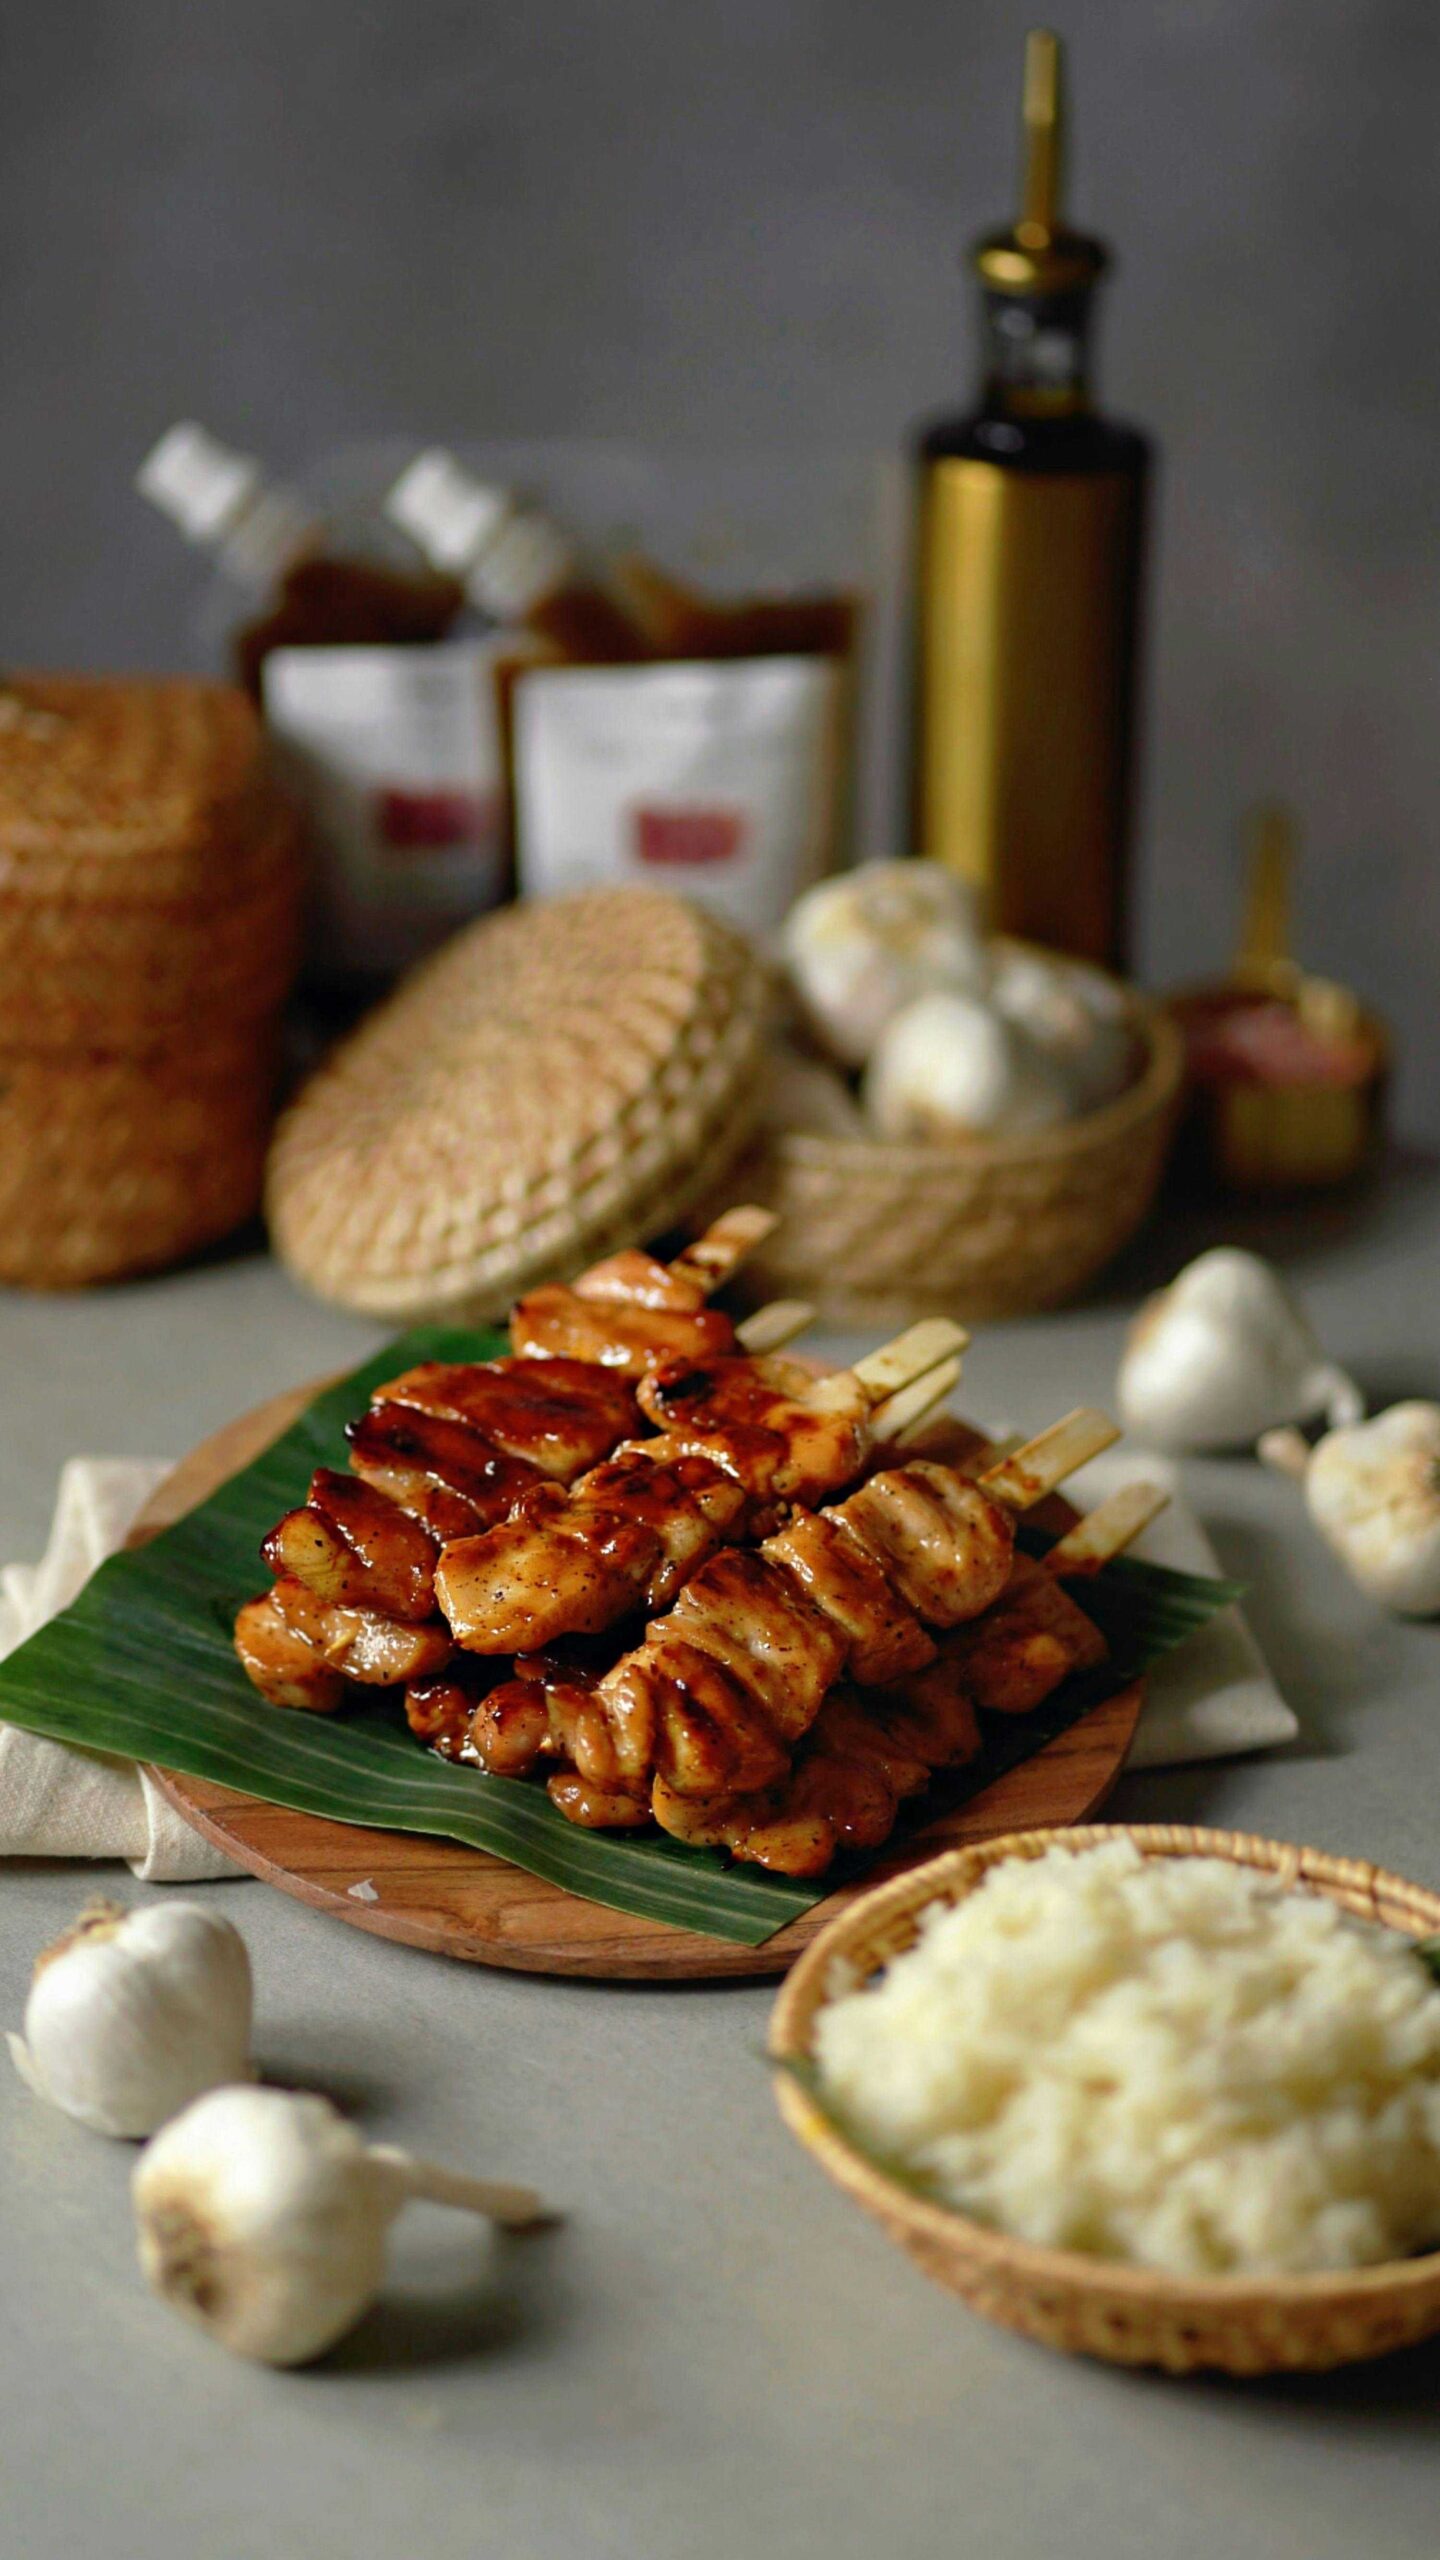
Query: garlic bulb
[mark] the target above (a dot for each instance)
(263, 2216)
(1373, 1492)
(1223, 1354)
(860, 946)
(1078, 1016)
(949, 1066)
(132, 2014)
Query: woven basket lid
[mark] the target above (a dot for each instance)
(558, 1080)
(128, 789)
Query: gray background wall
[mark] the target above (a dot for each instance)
(308, 220)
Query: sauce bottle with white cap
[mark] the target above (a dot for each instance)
(515, 564)
(315, 576)
(384, 716)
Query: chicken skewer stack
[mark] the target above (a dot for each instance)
(870, 1749)
(747, 1436)
(800, 1672)
(448, 1448)
(716, 1700)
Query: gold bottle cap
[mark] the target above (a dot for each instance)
(1038, 254)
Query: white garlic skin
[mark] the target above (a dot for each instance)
(134, 2013)
(1077, 1015)
(1373, 1492)
(263, 2216)
(1224, 1354)
(950, 1066)
(860, 946)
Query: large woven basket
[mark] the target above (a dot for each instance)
(560, 1079)
(150, 890)
(874, 1232)
(1091, 2306)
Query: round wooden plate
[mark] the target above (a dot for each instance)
(460, 1902)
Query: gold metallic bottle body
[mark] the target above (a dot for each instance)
(1029, 582)
(1032, 514)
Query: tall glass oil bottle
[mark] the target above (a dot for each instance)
(1032, 512)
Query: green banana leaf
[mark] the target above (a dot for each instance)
(141, 1667)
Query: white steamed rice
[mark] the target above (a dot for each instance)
(1165, 2060)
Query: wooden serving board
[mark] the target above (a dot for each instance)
(461, 1902)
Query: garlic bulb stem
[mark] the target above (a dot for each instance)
(1372, 1490)
(515, 2208)
(263, 2216)
(1286, 1450)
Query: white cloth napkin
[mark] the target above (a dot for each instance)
(1211, 1698)
(1214, 1695)
(60, 1803)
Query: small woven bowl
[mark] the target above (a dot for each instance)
(1095, 2306)
(875, 1231)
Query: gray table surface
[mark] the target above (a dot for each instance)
(717, 2353)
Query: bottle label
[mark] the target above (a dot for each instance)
(395, 755)
(720, 780)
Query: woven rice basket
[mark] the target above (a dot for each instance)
(112, 1166)
(1091, 2306)
(874, 1232)
(558, 1080)
(149, 928)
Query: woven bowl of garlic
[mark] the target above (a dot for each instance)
(955, 1124)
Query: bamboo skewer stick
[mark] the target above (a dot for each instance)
(716, 1256)
(1105, 1532)
(909, 1406)
(881, 1373)
(772, 1326)
(1039, 1466)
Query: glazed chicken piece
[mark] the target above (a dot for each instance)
(867, 1750)
(632, 1310)
(558, 1416)
(363, 1645)
(503, 1716)
(768, 1422)
(449, 1478)
(555, 1322)
(576, 1561)
(350, 1545)
(1032, 1639)
(631, 1531)
(285, 1666)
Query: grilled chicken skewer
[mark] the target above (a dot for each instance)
(869, 1749)
(718, 1695)
(366, 1544)
(503, 1718)
(631, 1310)
(750, 1433)
(456, 1444)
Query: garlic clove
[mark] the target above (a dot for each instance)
(1223, 1355)
(861, 945)
(132, 2013)
(950, 1066)
(1373, 1491)
(263, 2216)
